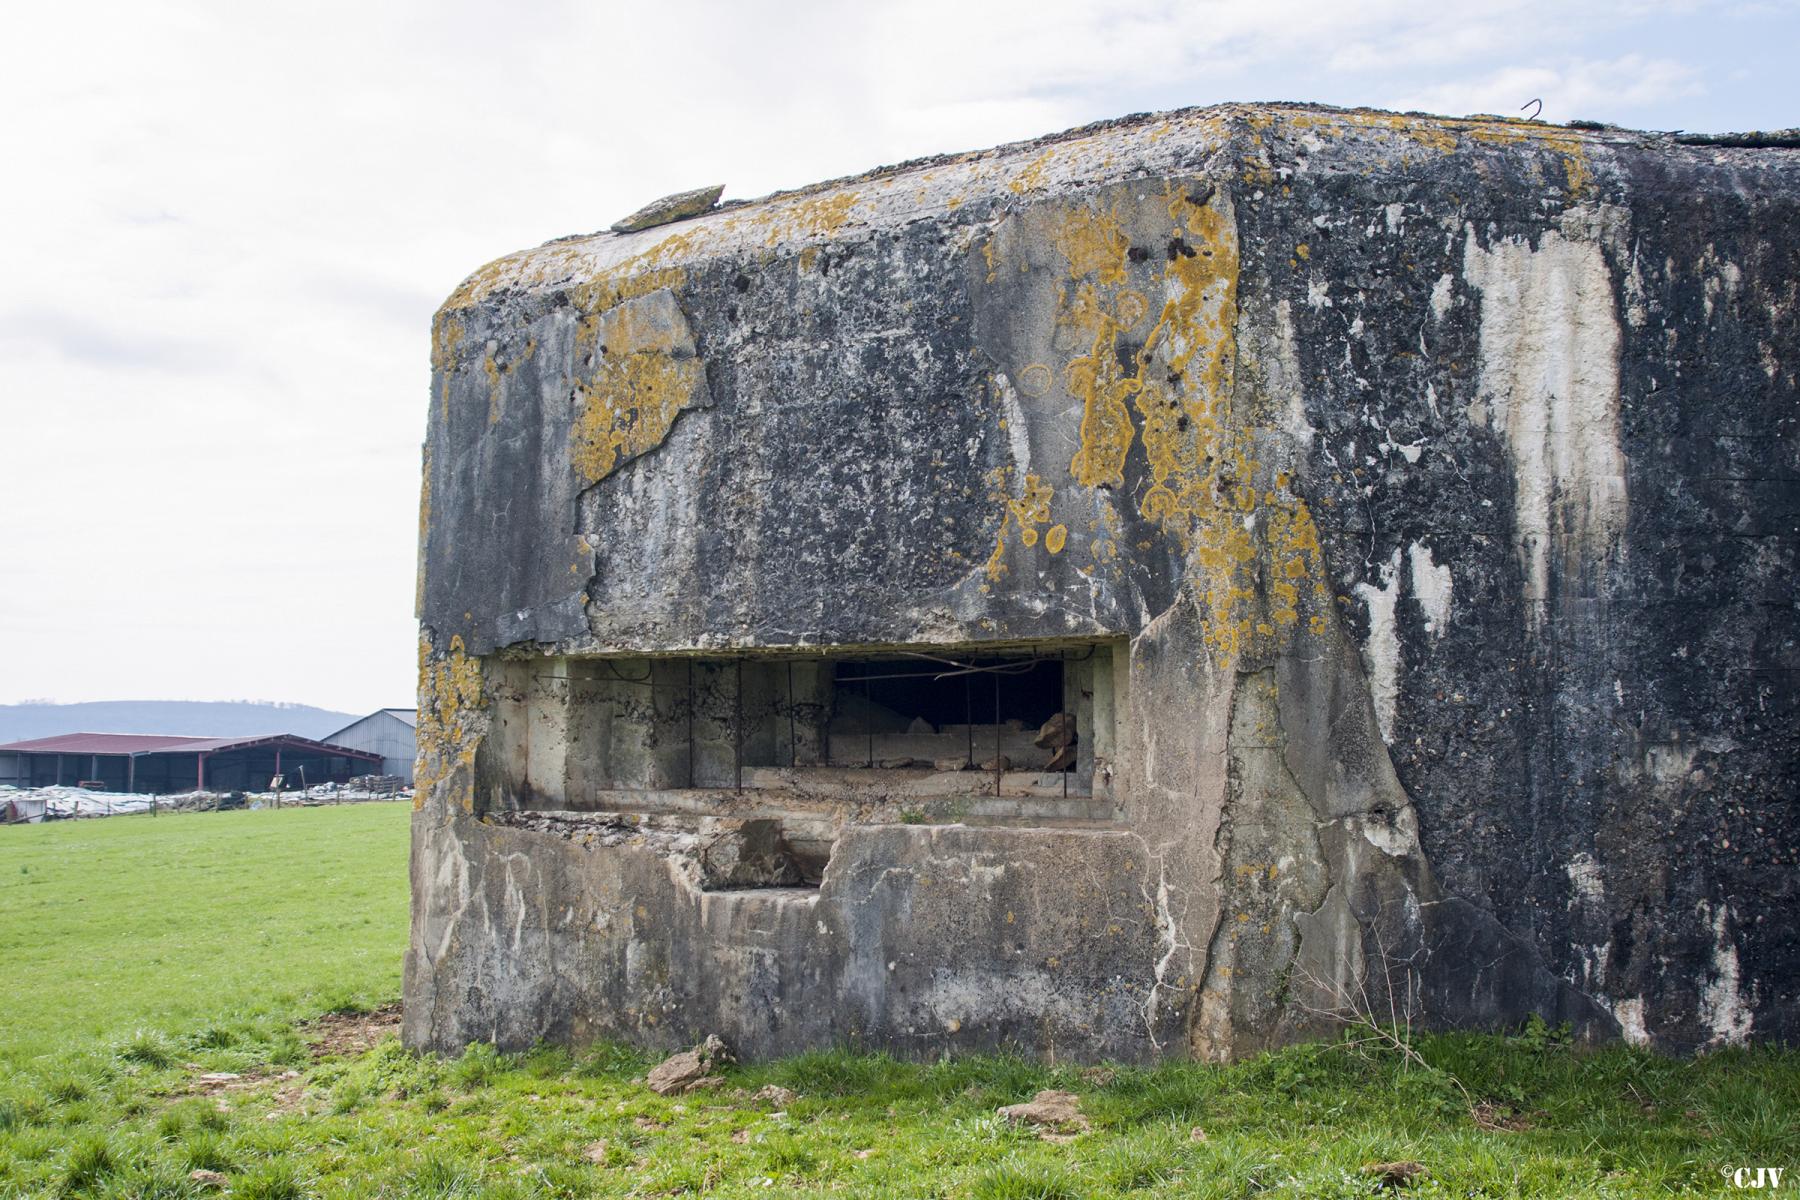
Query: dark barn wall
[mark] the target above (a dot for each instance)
(1440, 476)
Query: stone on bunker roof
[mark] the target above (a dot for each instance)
(671, 208)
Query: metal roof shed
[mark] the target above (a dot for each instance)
(129, 762)
(389, 732)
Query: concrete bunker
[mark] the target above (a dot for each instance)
(791, 746)
(1130, 594)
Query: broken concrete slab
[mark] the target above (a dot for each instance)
(689, 1070)
(1057, 1111)
(677, 207)
(1056, 733)
(748, 854)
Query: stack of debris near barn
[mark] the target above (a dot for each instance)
(162, 763)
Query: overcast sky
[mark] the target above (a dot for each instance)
(226, 226)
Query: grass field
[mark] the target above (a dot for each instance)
(170, 922)
(163, 980)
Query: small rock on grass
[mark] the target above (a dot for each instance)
(690, 1069)
(1058, 1113)
(209, 1179)
(676, 1074)
(776, 1095)
(1396, 1174)
(595, 1152)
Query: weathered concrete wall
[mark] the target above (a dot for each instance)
(1440, 476)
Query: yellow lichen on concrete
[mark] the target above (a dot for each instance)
(1177, 377)
(1567, 143)
(627, 408)
(1194, 337)
(643, 372)
(1028, 510)
(446, 337)
(527, 269)
(496, 372)
(642, 369)
(816, 218)
(1167, 375)
(571, 266)
(1442, 134)
(628, 281)
(424, 530)
(1031, 176)
(452, 712)
(1094, 244)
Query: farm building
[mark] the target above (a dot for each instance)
(387, 732)
(131, 762)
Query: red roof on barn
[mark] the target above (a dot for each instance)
(163, 743)
(104, 743)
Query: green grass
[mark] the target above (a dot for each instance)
(139, 955)
(161, 924)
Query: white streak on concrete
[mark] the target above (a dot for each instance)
(1396, 840)
(1381, 653)
(1441, 296)
(1630, 1015)
(1550, 385)
(1723, 1007)
(1583, 871)
(1171, 935)
(1018, 437)
(1431, 588)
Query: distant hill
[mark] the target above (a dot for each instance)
(217, 718)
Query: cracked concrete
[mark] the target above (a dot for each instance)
(1408, 504)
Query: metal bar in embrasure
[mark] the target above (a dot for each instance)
(969, 718)
(997, 767)
(827, 713)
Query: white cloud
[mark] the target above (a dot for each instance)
(226, 226)
(1612, 89)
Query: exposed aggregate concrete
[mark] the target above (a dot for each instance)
(1436, 479)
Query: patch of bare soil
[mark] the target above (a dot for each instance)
(217, 1083)
(1496, 1118)
(222, 1086)
(345, 1035)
